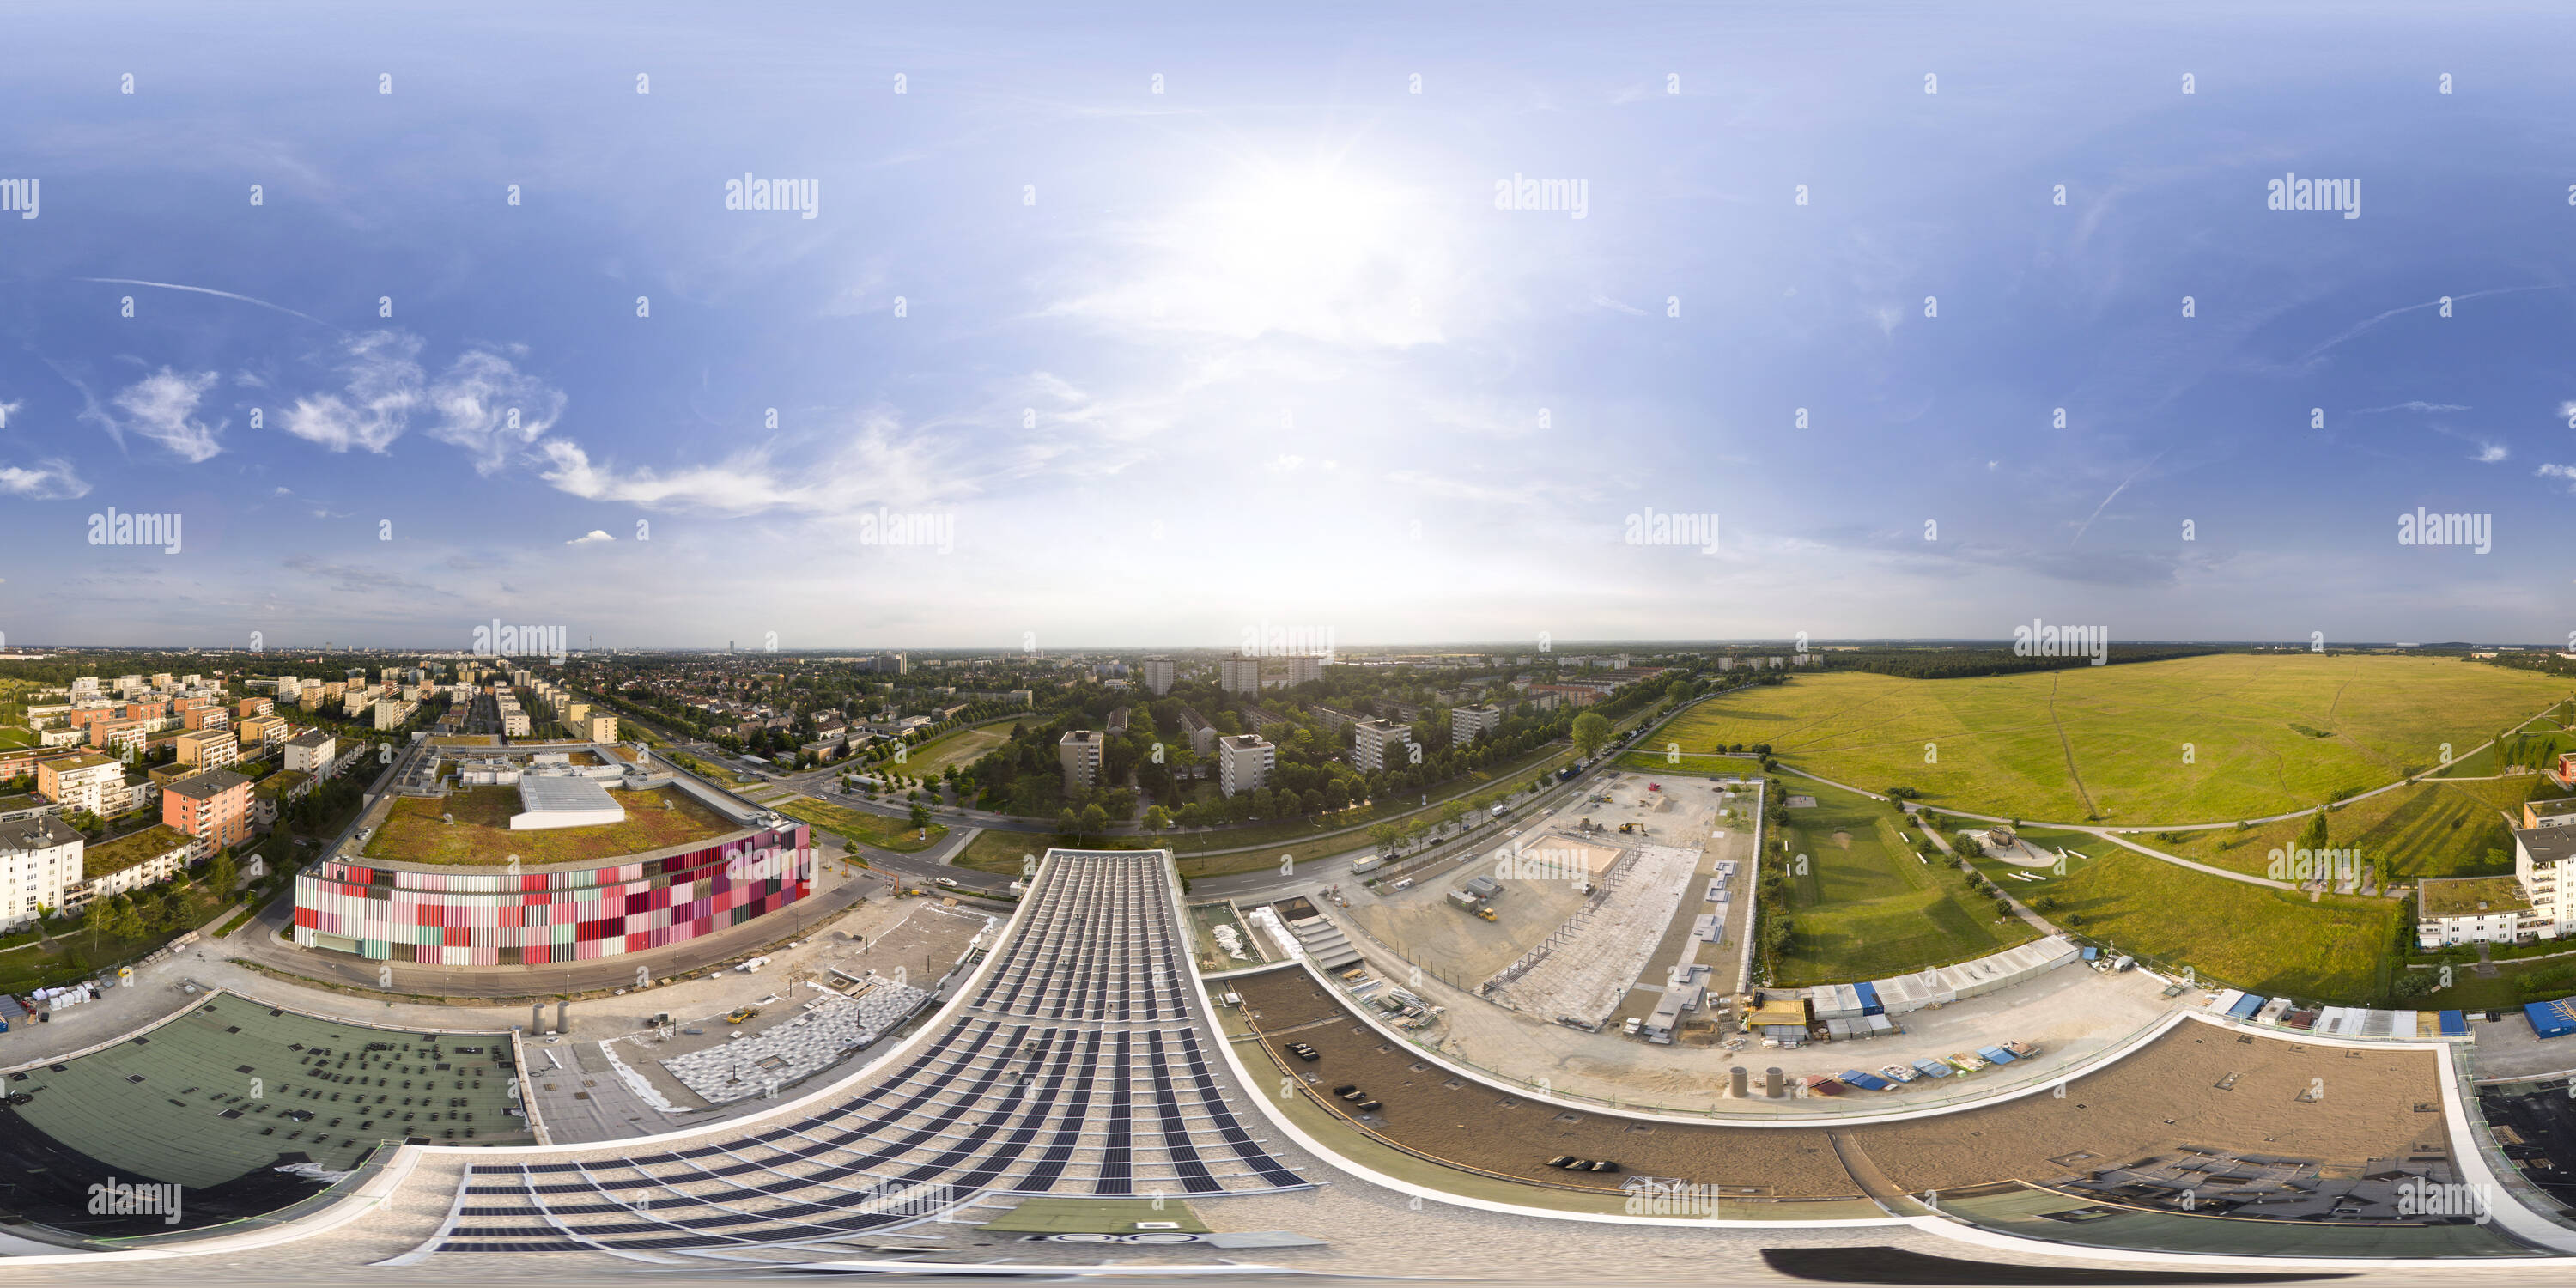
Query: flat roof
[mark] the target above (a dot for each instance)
(2464, 896)
(548, 794)
(2547, 844)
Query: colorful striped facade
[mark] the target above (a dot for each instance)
(448, 918)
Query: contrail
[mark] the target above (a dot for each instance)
(2410, 308)
(2115, 495)
(208, 290)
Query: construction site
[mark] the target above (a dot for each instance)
(1601, 949)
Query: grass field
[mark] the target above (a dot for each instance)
(708, 769)
(859, 825)
(1864, 907)
(960, 748)
(2244, 936)
(412, 832)
(2429, 829)
(2107, 744)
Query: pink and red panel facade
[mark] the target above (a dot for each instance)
(560, 915)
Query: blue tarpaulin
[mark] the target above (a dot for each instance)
(2455, 1024)
(2551, 1019)
(1869, 1003)
(2245, 1007)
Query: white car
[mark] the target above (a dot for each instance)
(949, 882)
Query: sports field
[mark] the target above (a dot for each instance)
(2245, 936)
(413, 833)
(2265, 733)
(1864, 906)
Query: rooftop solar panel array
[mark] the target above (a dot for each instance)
(1076, 1068)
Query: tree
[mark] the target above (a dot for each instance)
(2313, 836)
(920, 815)
(125, 922)
(1095, 820)
(1067, 822)
(97, 920)
(1591, 730)
(1157, 818)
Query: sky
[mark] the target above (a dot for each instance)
(1147, 326)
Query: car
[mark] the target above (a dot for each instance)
(950, 882)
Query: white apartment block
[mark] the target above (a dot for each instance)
(1379, 743)
(1158, 675)
(311, 753)
(1466, 724)
(147, 869)
(92, 783)
(1302, 669)
(514, 723)
(1239, 674)
(40, 859)
(1079, 752)
(603, 728)
(1243, 763)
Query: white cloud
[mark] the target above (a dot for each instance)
(487, 406)
(163, 407)
(384, 385)
(592, 538)
(2565, 474)
(49, 480)
(2490, 453)
(483, 403)
(1283, 463)
(8, 409)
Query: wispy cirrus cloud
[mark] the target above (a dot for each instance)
(46, 480)
(482, 403)
(163, 407)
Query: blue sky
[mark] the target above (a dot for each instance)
(1260, 347)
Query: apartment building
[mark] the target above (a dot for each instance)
(249, 707)
(261, 730)
(1239, 674)
(212, 809)
(602, 728)
(103, 732)
(311, 753)
(1243, 763)
(1158, 675)
(148, 857)
(1379, 744)
(88, 781)
(1302, 669)
(1467, 724)
(205, 716)
(391, 713)
(40, 858)
(1202, 734)
(208, 748)
(1079, 752)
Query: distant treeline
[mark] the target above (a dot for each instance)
(1932, 662)
(2543, 663)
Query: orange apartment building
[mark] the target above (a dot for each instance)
(211, 809)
